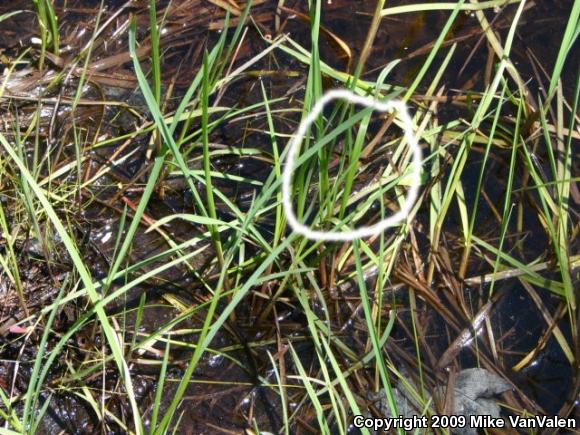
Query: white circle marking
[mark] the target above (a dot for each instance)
(387, 106)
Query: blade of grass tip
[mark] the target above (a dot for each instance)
(434, 50)
(314, 88)
(155, 67)
(155, 55)
(168, 141)
(213, 57)
(186, 100)
(4, 431)
(207, 163)
(570, 35)
(277, 167)
(495, 43)
(85, 277)
(8, 15)
(233, 40)
(313, 93)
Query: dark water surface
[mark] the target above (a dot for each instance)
(517, 323)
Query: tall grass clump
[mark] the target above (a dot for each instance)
(154, 284)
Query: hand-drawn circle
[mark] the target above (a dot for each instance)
(387, 106)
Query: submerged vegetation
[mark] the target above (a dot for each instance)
(149, 282)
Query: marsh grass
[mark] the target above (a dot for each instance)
(315, 327)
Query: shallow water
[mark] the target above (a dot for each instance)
(547, 380)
